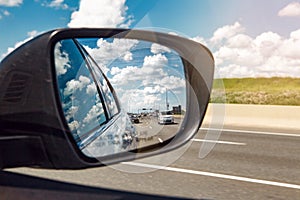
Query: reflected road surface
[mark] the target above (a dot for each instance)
(151, 132)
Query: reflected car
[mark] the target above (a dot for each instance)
(134, 119)
(166, 117)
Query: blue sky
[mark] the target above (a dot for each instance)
(248, 38)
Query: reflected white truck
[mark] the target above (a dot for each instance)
(165, 117)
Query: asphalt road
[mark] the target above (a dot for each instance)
(244, 164)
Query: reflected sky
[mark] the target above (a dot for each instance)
(147, 77)
(144, 74)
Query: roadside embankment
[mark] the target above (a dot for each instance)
(256, 116)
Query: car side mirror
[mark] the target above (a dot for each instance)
(78, 98)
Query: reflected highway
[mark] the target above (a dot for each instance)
(151, 132)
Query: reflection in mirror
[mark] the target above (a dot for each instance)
(118, 95)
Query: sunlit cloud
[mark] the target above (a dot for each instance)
(291, 10)
(74, 85)
(11, 3)
(30, 36)
(266, 55)
(106, 52)
(93, 113)
(91, 89)
(6, 13)
(62, 61)
(226, 32)
(156, 49)
(104, 13)
(57, 4)
(200, 40)
(74, 125)
(11, 49)
(151, 70)
(32, 33)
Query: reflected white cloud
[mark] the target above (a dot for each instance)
(106, 52)
(74, 85)
(71, 112)
(156, 49)
(176, 84)
(74, 125)
(94, 112)
(150, 71)
(91, 89)
(62, 62)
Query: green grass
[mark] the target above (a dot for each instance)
(266, 91)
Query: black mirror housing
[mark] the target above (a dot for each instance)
(33, 129)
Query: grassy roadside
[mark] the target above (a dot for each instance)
(265, 91)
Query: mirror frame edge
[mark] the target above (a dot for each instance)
(194, 73)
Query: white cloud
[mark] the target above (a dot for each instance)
(200, 40)
(107, 52)
(6, 13)
(291, 10)
(156, 49)
(104, 13)
(74, 125)
(32, 33)
(240, 41)
(144, 97)
(10, 3)
(91, 89)
(227, 32)
(71, 112)
(74, 85)
(144, 86)
(127, 57)
(57, 4)
(267, 43)
(94, 112)
(268, 54)
(151, 70)
(11, 49)
(62, 62)
(125, 75)
(155, 61)
(290, 48)
(171, 82)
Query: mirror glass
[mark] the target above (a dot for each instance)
(119, 94)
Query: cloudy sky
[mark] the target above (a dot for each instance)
(248, 38)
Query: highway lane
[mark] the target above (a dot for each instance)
(267, 156)
(253, 165)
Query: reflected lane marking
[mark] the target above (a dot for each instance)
(219, 142)
(252, 132)
(223, 176)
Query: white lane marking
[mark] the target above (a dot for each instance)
(223, 176)
(252, 132)
(218, 142)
